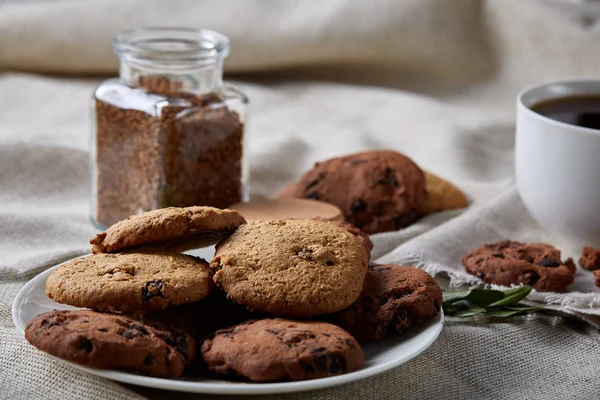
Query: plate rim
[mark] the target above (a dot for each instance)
(434, 327)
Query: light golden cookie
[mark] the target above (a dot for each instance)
(441, 195)
(172, 228)
(127, 282)
(291, 268)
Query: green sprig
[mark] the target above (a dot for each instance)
(493, 303)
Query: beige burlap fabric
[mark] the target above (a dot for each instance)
(451, 71)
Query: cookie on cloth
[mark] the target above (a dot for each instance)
(394, 299)
(173, 228)
(590, 258)
(110, 341)
(378, 191)
(291, 268)
(509, 263)
(597, 277)
(441, 195)
(278, 349)
(127, 282)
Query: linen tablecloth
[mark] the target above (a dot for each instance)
(433, 79)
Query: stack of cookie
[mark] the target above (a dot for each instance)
(281, 299)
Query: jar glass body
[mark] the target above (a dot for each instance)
(167, 132)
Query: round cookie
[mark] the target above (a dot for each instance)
(173, 228)
(394, 298)
(291, 268)
(109, 341)
(441, 195)
(128, 282)
(288, 208)
(590, 258)
(509, 263)
(278, 349)
(377, 191)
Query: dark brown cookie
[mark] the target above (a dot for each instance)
(110, 341)
(394, 298)
(278, 349)
(509, 263)
(597, 276)
(590, 258)
(377, 191)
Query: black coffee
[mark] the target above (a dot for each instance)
(581, 110)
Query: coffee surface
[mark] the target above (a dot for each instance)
(577, 110)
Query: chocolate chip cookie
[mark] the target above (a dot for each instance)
(109, 341)
(590, 258)
(377, 191)
(394, 298)
(441, 195)
(173, 228)
(128, 282)
(291, 268)
(597, 277)
(278, 349)
(511, 263)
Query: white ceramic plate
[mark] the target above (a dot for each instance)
(379, 356)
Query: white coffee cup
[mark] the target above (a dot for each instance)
(558, 166)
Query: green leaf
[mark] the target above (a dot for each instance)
(513, 296)
(468, 313)
(502, 313)
(524, 308)
(485, 297)
(450, 296)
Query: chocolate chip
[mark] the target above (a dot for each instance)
(391, 177)
(547, 262)
(497, 255)
(313, 195)
(129, 334)
(350, 343)
(152, 289)
(381, 269)
(358, 205)
(86, 344)
(140, 328)
(307, 368)
(273, 331)
(149, 360)
(321, 362)
(305, 254)
(335, 365)
(481, 276)
(312, 183)
(102, 329)
(398, 221)
(533, 278)
(358, 161)
(437, 305)
(317, 349)
(330, 263)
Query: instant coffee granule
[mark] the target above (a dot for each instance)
(187, 151)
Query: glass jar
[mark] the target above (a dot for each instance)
(167, 132)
